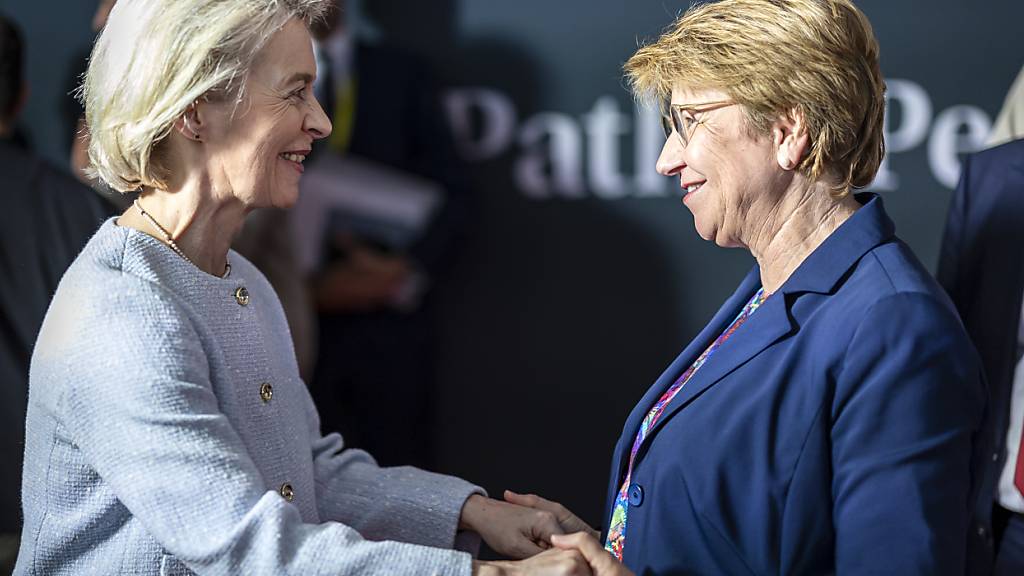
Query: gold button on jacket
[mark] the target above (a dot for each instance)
(266, 392)
(287, 492)
(242, 296)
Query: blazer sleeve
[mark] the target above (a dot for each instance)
(399, 503)
(951, 252)
(138, 403)
(908, 408)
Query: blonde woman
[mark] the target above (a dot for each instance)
(827, 419)
(168, 430)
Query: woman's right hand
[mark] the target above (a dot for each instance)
(569, 522)
(553, 562)
(600, 561)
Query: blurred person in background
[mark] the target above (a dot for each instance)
(1009, 124)
(981, 266)
(828, 419)
(375, 374)
(47, 217)
(74, 115)
(168, 430)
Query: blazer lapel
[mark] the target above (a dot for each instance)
(769, 323)
(820, 272)
(718, 323)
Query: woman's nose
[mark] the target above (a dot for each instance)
(317, 122)
(670, 161)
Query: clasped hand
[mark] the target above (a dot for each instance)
(528, 526)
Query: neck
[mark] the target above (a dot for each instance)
(795, 227)
(201, 225)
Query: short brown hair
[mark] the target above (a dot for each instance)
(819, 57)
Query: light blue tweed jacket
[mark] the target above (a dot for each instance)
(169, 433)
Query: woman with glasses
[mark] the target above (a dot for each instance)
(826, 419)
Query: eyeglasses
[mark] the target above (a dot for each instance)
(680, 118)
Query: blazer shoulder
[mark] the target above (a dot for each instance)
(991, 189)
(987, 171)
(1011, 152)
(894, 269)
(97, 297)
(889, 273)
(49, 183)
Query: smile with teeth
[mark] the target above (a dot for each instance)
(297, 158)
(690, 189)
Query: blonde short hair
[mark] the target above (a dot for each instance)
(819, 57)
(154, 58)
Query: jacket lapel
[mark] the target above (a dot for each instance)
(769, 323)
(718, 323)
(820, 273)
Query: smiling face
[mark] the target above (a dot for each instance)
(255, 151)
(730, 178)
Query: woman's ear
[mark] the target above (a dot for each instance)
(789, 134)
(190, 123)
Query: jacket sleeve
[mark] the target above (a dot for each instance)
(400, 503)
(950, 254)
(138, 402)
(906, 420)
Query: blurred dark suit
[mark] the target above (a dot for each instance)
(46, 218)
(982, 267)
(375, 373)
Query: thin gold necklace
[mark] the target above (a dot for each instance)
(170, 239)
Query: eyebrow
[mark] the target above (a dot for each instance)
(305, 77)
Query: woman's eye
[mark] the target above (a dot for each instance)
(300, 93)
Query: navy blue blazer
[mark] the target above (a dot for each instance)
(835, 432)
(982, 267)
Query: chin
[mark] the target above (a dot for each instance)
(724, 239)
(720, 240)
(284, 204)
(705, 232)
(284, 198)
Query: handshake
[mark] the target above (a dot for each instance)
(544, 537)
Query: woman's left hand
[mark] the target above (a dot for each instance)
(509, 529)
(569, 522)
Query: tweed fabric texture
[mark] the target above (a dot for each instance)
(150, 449)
